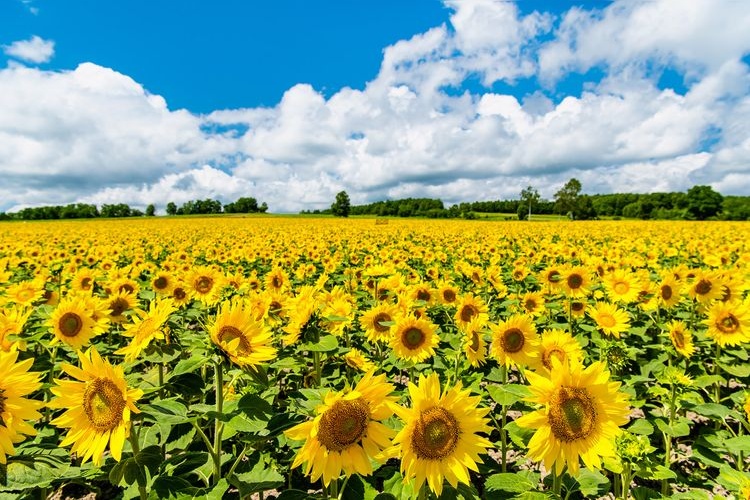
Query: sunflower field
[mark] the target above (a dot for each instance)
(298, 358)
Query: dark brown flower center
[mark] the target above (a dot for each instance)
(572, 414)
(728, 324)
(70, 324)
(678, 337)
(204, 284)
(666, 292)
(179, 293)
(103, 404)
(384, 317)
(554, 276)
(161, 283)
(468, 311)
(413, 338)
(435, 434)
(575, 281)
(423, 294)
(228, 333)
(344, 424)
(474, 346)
(86, 283)
(118, 306)
(512, 340)
(555, 351)
(449, 295)
(703, 287)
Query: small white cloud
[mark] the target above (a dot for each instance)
(34, 50)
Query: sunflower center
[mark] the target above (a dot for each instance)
(274, 307)
(474, 342)
(555, 351)
(127, 288)
(103, 404)
(577, 306)
(423, 295)
(86, 283)
(530, 304)
(703, 287)
(344, 424)
(554, 276)
(381, 316)
(679, 339)
(160, 283)
(276, 282)
(607, 320)
(666, 292)
(728, 324)
(449, 295)
(413, 338)
(468, 311)
(204, 284)
(435, 434)
(572, 414)
(179, 293)
(70, 324)
(512, 340)
(118, 306)
(621, 288)
(228, 333)
(575, 281)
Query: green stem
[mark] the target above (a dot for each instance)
(161, 380)
(503, 421)
(218, 424)
(556, 481)
(238, 460)
(343, 487)
(334, 488)
(626, 476)
(668, 439)
(422, 492)
(133, 438)
(717, 371)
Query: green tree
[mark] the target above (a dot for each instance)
(263, 208)
(529, 197)
(151, 210)
(703, 202)
(566, 199)
(342, 206)
(171, 208)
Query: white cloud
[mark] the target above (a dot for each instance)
(34, 50)
(93, 134)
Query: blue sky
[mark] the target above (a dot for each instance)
(291, 101)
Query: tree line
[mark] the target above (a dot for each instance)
(698, 203)
(244, 205)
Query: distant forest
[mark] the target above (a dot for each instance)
(698, 203)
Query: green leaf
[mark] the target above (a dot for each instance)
(190, 364)
(385, 496)
(167, 487)
(677, 429)
(740, 370)
(508, 394)
(260, 478)
(738, 444)
(506, 481)
(151, 458)
(642, 493)
(641, 426)
(661, 472)
(217, 492)
(706, 380)
(325, 344)
(396, 487)
(354, 489)
(712, 410)
(168, 411)
(731, 479)
(34, 470)
(592, 483)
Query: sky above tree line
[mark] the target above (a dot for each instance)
(292, 101)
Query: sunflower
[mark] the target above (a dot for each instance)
(577, 308)
(681, 337)
(180, 294)
(378, 322)
(515, 341)
(447, 293)
(15, 409)
(204, 284)
(576, 282)
(25, 293)
(118, 304)
(84, 280)
(71, 323)
(610, 319)
(123, 285)
(475, 347)
(622, 286)
(440, 437)
(706, 287)
(301, 308)
(468, 309)
(414, 339)
(98, 406)
(728, 323)
(581, 414)
(357, 360)
(423, 292)
(276, 280)
(669, 291)
(163, 283)
(337, 316)
(146, 327)
(347, 432)
(12, 321)
(245, 340)
(532, 303)
(558, 344)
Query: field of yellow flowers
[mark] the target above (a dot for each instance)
(299, 358)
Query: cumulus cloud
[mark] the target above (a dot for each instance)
(34, 50)
(94, 134)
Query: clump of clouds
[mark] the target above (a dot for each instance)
(94, 134)
(34, 50)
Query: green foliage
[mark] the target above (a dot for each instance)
(342, 206)
(703, 202)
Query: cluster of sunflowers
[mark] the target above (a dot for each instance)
(347, 359)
